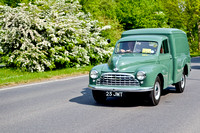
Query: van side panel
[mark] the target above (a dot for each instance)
(181, 55)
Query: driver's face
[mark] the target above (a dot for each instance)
(130, 45)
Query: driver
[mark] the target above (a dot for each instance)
(130, 48)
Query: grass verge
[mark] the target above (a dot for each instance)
(11, 77)
(195, 54)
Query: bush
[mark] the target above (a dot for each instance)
(14, 3)
(105, 12)
(50, 35)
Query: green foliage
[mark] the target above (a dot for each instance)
(195, 54)
(130, 13)
(100, 7)
(141, 14)
(184, 14)
(105, 12)
(133, 14)
(14, 3)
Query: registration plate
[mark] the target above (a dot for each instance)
(113, 94)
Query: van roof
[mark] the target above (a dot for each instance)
(156, 38)
(154, 31)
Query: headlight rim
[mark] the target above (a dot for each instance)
(143, 74)
(92, 75)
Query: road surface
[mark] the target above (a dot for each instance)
(67, 106)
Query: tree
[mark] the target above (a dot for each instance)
(184, 14)
(141, 14)
(105, 12)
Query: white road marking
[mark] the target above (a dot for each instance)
(43, 82)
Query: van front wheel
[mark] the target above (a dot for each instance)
(156, 93)
(180, 86)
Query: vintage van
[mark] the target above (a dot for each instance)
(143, 60)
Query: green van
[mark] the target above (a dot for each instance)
(144, 60)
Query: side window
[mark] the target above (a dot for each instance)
(164, 47)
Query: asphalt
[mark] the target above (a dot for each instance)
(67, 106)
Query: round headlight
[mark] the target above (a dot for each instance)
(94, 74)
(141, 75)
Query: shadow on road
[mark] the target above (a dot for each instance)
(129, 100)
(87, 99)
(195, 60)
(195, 67)
(169, 90)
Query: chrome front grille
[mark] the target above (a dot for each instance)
(117, 79)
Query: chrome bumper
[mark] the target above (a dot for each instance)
(121, 88)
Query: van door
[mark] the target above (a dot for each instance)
(167, 62)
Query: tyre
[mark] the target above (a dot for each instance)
(154, 96)
(99, 96)
(180, 86)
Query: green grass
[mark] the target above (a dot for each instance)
(9, 77)
(195, 54)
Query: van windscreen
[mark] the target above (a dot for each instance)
(145, 47)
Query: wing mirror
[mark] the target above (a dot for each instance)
(108, 40)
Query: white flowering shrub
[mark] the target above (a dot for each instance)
(50, 35)
(1, 53)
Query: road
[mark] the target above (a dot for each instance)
(67, 106)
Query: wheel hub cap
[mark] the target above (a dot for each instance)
(183, 81)
(157, 91)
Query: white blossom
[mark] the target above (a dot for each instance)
(106, 27)
(49, 35)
